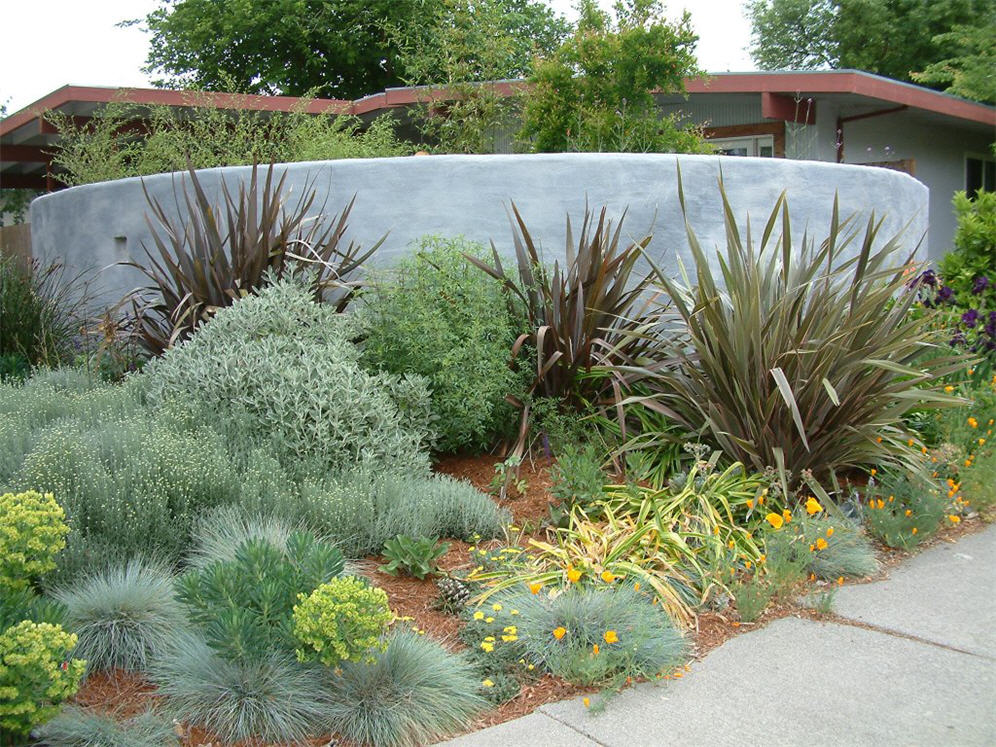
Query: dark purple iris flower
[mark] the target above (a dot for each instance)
(970, 318)
(945, 294)
(980, 284)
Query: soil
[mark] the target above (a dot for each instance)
(123, 694)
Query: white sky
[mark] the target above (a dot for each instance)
(50, 43)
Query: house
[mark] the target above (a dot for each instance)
(841, 116)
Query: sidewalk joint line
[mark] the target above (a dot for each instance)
(841, 620)
(572, 727)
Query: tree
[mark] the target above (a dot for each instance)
(464, 47)
(894, 38)
(596, 92)
(970, 69)
(329, 48)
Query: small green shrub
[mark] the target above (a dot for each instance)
(244, 606)
(342, 620)
(78, 727)
(36, 674)
(902, 511)
(416, 556)
(32, 532)
(125, 616)
(828, 546)
(978, 483)
(436, 316)
(577, 480)
(414, 693)
(272, 698)
(26, 604)
(278, 371)
(751, 597)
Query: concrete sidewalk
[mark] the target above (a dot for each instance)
(920, 670)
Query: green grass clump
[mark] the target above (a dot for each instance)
(219, 532)
(78, 727)
(414, 693)
(751, 597)
(125, 616)
(902, 511)
(273, 698)
(827, 546)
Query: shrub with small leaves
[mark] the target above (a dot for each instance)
(36, 674)
(32, 531)
(343, 620)
(416, 556)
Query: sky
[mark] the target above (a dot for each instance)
(51, 43)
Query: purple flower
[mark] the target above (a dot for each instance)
(980, 284)
(958, 339)
(926, 278)
(970, 318)
(945, 294)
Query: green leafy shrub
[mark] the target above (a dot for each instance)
(598, 636)
(219, 253)
(838, 406)
(751, 596)
(416, 556)
(78, 727)
(125, 616)
(828, 546)
(978, 483)
(436, 316)
(577, 480)
(342, 620)
(27, 604)
(414, 693)
(32, 532)
(36, 674)
(271, 698)
(279, 370)
(902, 511)
(972, 255)
(245, 605)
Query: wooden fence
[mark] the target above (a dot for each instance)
(15, 241)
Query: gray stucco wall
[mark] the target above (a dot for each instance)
(94, 226)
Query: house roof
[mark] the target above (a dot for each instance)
(26, 138)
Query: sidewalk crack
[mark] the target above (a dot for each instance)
(841, 620)
(572, 727)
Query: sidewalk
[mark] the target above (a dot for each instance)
(917, 667)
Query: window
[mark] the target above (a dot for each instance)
(980, 173)
(755, 145)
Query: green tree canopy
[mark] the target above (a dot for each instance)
(969, 70)
(596, 92)
(329, 48)
(895, 38)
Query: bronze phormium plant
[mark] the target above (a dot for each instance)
(795, 355)
(221, 253)
(583, 315)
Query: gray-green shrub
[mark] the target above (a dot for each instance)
(414, 693)
(278, 370)
(78, 727)
(437, 316)
(848, 551)
(125, 615)
(274, 698)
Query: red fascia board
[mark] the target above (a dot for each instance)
(860, 84)
(156, 96)
(24, 154)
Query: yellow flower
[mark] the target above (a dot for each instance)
(915, 530)
(949, 389)
(762, 558)
(608, 577)
(573, 575)
(973, 422)
(513, 612)
(478, 615)
(812, 576)
(636, 586)
(587, 702)
(821, 544)
(731, 544)
(489, 619)
(812, 548)
(486, 646)
(909, 512)
(496, 607)
(874, 471)
(715, 530)
(954, 518)
(488, 683)
(813, 506)
(982, 442)
(560, 632)
(510, 638)
(840, 580)
(910, 442)
(880, 503)
(775, 520)
(878, 439)
(611, 637)
(747, 564)
(510, 629)
(750, 503)
(594, 649)
(830, 532)
(535, 587)
(787, 515)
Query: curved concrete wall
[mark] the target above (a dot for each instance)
(96, 225)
